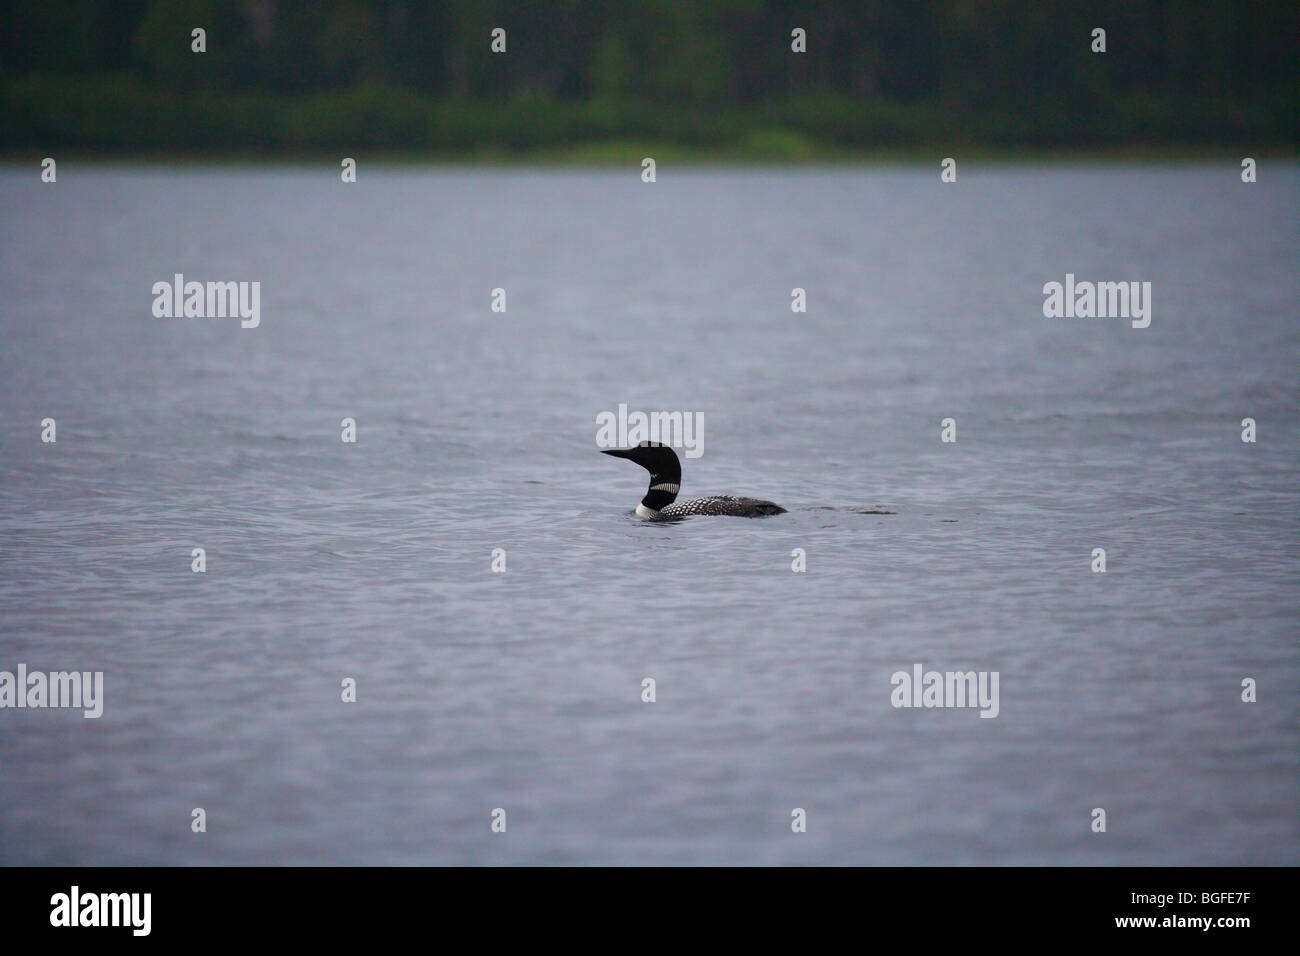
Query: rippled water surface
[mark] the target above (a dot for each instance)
(476, 431)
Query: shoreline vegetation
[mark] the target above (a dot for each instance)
(120, 117)
(603, 82)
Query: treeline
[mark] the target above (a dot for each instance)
(280, 75)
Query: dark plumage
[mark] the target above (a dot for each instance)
(722, 505)
(661, 501)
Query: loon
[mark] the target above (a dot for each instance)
(666, 477)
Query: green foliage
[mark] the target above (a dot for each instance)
(418, 75)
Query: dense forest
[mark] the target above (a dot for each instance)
(420, 75)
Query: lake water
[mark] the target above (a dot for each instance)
(476, 430)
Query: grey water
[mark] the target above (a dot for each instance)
(476, 430)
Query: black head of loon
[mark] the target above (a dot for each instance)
(660, 500)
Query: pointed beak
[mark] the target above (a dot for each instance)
(617, 452)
